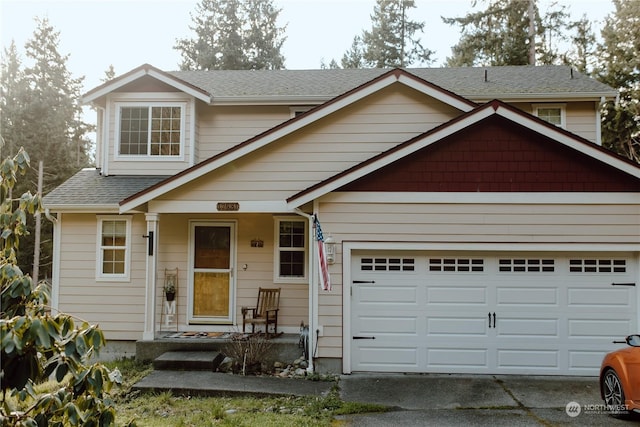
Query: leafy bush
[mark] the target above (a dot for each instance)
(37, 346)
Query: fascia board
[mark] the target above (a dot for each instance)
(87, 99)
(526, 198)
(552, 97)
(59, 208)
(391, 157)
(269, 100)
(568, 141)
(92, 96)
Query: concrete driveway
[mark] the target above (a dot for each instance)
(477, 400)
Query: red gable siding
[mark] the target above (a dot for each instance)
(496, 155)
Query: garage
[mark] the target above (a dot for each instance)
(543, 313)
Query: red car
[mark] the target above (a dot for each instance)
(620, 378)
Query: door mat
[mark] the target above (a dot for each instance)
(220, 335)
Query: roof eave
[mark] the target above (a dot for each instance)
(83, 208)
(137, 73)
(554, 96)
(271, 100)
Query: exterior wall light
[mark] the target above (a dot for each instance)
(330, 248)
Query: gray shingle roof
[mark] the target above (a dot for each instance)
(465, 81)
(88, 187)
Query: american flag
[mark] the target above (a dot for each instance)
(325, 279)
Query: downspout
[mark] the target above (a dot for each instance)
(55, 267)
(312, 288)
(599, 121)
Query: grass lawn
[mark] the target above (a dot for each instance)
(165, 409)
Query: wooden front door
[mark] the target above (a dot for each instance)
(212, 281)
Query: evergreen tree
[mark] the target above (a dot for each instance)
(620, 68)
(14, 94)
(354, 57)
(233, 35)
(45, 117)
(583, 53)
(392, 40)
(503, 34)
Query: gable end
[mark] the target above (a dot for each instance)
(496, 155)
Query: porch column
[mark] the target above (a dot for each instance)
(150, 285)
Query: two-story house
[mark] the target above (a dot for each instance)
(479, 226)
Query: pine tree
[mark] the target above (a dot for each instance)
(619, 67)
(392, 40)
(501, 35)
(233, 35)
(45, 117)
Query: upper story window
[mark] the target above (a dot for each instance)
(552, 113)
(155, 130)
(113, 247)
(291, 250)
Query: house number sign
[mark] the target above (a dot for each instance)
(228, 206)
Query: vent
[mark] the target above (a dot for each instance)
(387, 264)
(521, 265)
(598, 266)
(456, 264)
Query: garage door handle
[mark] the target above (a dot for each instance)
(364, 281)
(364, 338)
(623, 284)
(494, 320)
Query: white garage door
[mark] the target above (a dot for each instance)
(519, 313)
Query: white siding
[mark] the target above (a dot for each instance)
(322, 149)
(555, 224)
(117, 307)
(220, 128)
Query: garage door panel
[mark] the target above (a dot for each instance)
(452, 326)
(376, 295)
(531, 328)
(527, 296)
(602, 297)
(600, 328)
(457, 359)
(389, 359)
(584, 359)
(456, 295)
(388, 325)
(528, 359)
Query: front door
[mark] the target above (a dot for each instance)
(211, 276)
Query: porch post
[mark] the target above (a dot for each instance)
(150, 294)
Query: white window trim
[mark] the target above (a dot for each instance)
(100, 276)
(276, 251)
(563, 112)
(148, 157)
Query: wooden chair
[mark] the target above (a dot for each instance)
(265, 311)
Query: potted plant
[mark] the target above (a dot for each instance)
(170, 288)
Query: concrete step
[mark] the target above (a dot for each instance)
(188, 361)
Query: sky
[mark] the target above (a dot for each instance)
(129, 33)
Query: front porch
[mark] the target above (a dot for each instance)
(284, 347)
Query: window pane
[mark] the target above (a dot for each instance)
(292, 234)
(134, 124)
(292, 263)
(113, 241)
(165, 131)
(551, 115)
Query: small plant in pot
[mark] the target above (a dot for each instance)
(170, 288)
